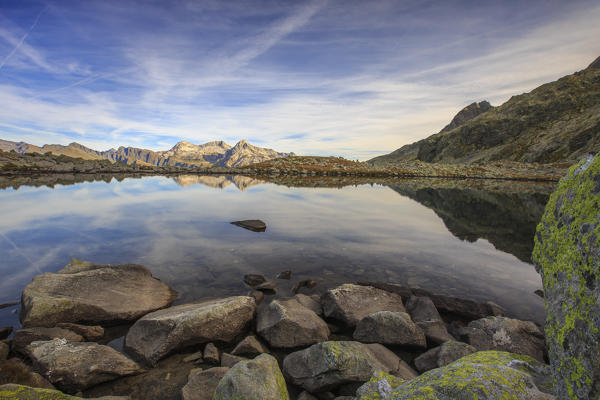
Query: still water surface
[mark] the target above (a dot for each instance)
(463, 240)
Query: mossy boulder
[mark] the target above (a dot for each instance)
(20, 392)
(567, 255)
(258, 379)
(485, 375)
(380, 384)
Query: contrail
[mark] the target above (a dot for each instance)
(23, 38)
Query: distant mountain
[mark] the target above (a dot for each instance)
(556, 122)
(183, 154)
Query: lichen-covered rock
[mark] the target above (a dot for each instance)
(567, 255)
(351, 303)
(443, 355)
(379, 386)
(229, 360)
(201, 384)
(19, 392)
(326, 365)
(257, 379)
(157, 334)
(17, 372)
(506, 334)
(288, 324)
(78, 366)
(423, 312)
(23, 337)
(85, 292)
(388, 327)
(485, 375)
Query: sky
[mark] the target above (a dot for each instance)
(351, 78)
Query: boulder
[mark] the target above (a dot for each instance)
(311, 302)
(254, 225)
(506, 334)
(211, 354)
(157, 334)
(16, 371)
(327, 365)
(379, 386)
(426, 316)
(443, 355)
(201, 384)
(249, 347)
(567, 255)
(93, 293)
(78, 366)
(392, 363)
(486, 375)
(259, 378)
(23, 337)
(90, 333)
(229, 360)
(351, 303)
(288, 324)
(20, 392)
(388, 327)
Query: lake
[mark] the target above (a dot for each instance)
(470, 239)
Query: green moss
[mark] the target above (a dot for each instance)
(20, 392)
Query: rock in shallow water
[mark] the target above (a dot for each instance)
(567, 255)
(77, 366)
(161, 332)
(88, 292)
(259, 378)
(254, 225)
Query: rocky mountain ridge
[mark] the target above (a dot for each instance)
(183, 154)
(556, 122)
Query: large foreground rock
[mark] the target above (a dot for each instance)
(20, 392)
(388, 327)
(257, 379)
(161, 332)
(351, 303)
(85, 292)
(201, 384)
(288, 324)
(486, 375)
(78, 366)
(506, 334)
(326, 365)
(567, 255)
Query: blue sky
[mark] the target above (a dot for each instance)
(337, 77)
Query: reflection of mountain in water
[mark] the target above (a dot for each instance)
(506, 215)
(217, 181)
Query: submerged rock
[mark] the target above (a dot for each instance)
(388, 327)
(443, 355)
(161, 332)
(254, 225)
(85, 292)
(326, 365)
(567, 255)
(486, 375)
(288, 324)
(351, 303)
(201, 384)
(77, 366)
(259, 378)
(254, 279)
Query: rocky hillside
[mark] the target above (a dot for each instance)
(183, 154)
(557, 122)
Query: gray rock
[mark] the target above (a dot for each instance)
(255, 225)
(486, 375)
(90, 333)
(249, 347)
(392, 363)
(388, 327)
(78, 366)
(16, 371)
(351, 303)
(311, 302)
(567, 255)
(93, 293)
(201, 384)
(211, 354)
(23, 337)
(424, 313)
(506, 334)
(378, 387)
(5, 332)
(229, 360)
(161, 332)
(4, 351)
(258, 296)
(440, 356)
(288, 324)
(259, 378)
(327, 365)
(195, 357)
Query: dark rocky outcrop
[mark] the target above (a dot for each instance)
(466, 114)
(567, 255)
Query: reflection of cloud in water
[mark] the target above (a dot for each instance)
(184, 237)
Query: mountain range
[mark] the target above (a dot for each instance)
(183, 154)
(556, 122)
